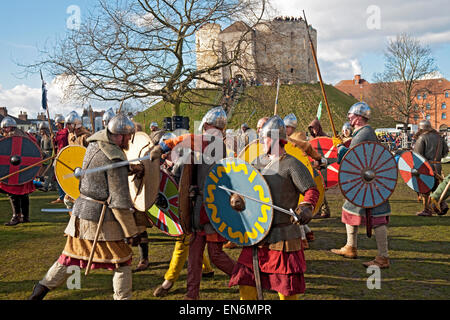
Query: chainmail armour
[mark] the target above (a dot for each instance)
(101, 186)
(287, 179)
(427, 145)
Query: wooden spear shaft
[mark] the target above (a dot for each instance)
(27, 168)
(320, 77)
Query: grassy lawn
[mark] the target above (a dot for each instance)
(419, 252)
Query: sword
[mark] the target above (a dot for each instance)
(56, 210)
(289, 212)
(80, 173)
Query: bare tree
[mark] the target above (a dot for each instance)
(143, 49)
(406, 62)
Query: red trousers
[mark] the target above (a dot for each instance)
(217, 256)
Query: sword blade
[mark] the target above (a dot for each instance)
(81, 173)
(289, 212)
(56, 210)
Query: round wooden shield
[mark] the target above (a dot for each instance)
(326, 147)
(16, 153)
(143, 191)
(184, 201)
(68, 160)
(249, 226)
(416, 172)
(368, 174)
(321, 187)
(256, 149)
(164, 214)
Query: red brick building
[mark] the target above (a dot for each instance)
(432, 99)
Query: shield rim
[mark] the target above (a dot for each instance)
(37, 147)
(56, 161)
(270, 196)
(424, 161)
(146, 180)
(396, 180)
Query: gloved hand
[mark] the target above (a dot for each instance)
(134, 241)
(156, 153)
(304, 213)
(138, 170)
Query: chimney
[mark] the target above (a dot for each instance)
(41, 116)
(23, 116)
(357, 78)
(3, 111)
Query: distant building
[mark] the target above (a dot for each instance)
(432, 99)
(272, 49)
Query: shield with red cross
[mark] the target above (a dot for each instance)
(326, 147)
(16, 153)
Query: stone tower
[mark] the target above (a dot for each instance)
(276, 48)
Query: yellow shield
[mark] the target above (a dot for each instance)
(68, 160)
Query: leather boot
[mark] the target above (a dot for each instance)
(39, 292)
(346, 251)
(142, 266)
(15, 220)
(425, 213)
(381, 262)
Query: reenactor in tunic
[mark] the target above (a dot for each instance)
(353, 216)
(100, 191)
(433, 148)
(280, 254)
(78, 134)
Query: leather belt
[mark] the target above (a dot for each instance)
(90, 199)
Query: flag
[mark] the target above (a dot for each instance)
(44, 94)
(319, 111)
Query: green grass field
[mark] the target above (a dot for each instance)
(419, 253)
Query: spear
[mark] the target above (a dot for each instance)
(320, 76)
(275, 112)
(45, 106)
(27, 168)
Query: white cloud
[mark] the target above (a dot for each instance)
(344, 37)
(24, 98)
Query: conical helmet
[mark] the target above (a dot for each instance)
(121, 124)
(290, 120)
(8, 122)
(107, 116)
(361, 109)
(274, 128)
(216, 117)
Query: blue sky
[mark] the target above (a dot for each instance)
(346, 43)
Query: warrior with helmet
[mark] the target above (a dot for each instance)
(353, 216)
(155, 133)
(280, 254)
(101, 191)
(18, 194)
(78, 134)
(107, 116)
(60, 141)
(346, 132)
(213, 124)
(433, 148)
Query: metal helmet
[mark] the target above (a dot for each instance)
(360, 109)
(290, 120)
(347, 126)
(121, 124)
(107, 116)
(8, 122)
(167, 136)
(43, 125)
(74, 118)
(216, 117)
(154, 124)
(274, 123)
(59, 119)
(425, 125)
